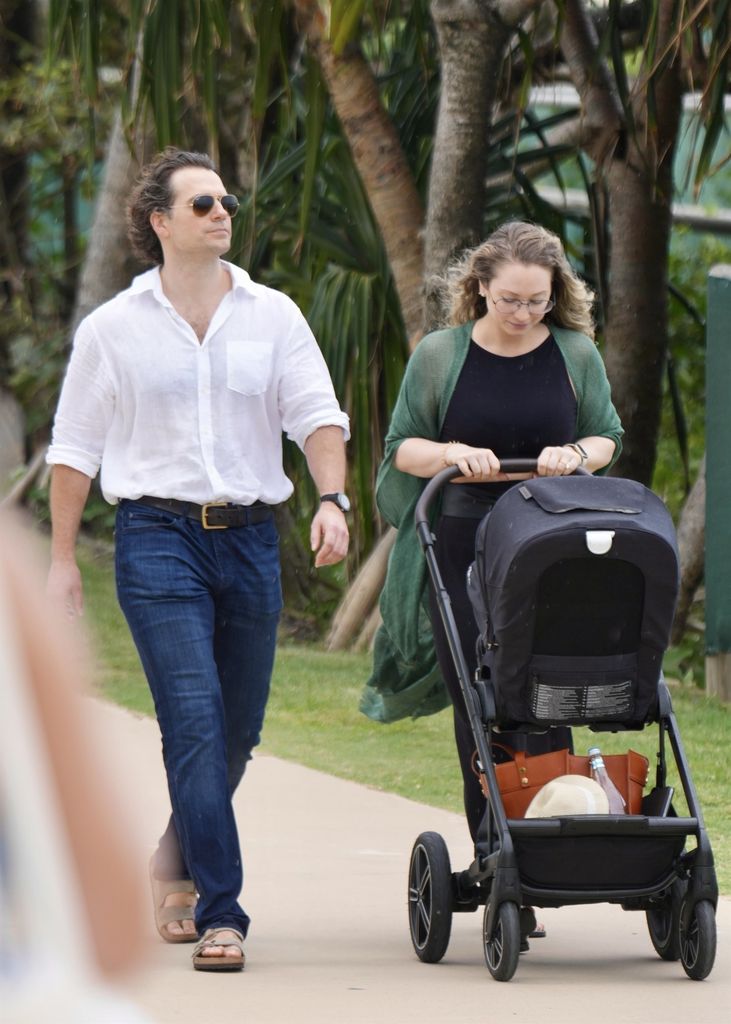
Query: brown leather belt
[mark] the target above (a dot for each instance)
(214, 515)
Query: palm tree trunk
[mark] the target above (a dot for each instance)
(380, 160)
(397, 208)
(602, 119)
(108, 264)
(472, 43)
(640, 206)
(691, 546)
(637, 170)
(367, 635)
(636, 313)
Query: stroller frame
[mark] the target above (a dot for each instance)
(678, 889)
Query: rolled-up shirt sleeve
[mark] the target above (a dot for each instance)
(307, 398)
(85, 407)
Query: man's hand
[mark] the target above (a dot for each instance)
(69, 491)
(329, 535)
(64, 588)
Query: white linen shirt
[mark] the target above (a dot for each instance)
(166, 415)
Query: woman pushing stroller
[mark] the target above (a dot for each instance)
(515, 375)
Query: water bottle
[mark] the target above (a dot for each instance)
(600, 774)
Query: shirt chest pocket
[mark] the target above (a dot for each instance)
(249, 366)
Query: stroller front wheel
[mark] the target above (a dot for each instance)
(503, 949)
(430, 897)
(698, 941)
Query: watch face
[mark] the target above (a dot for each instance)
(339, 499)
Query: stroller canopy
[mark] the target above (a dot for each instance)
(574, 587)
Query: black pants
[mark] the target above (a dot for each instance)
(455, 551)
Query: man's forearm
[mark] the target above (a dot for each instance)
(69, 492)
(325, 453)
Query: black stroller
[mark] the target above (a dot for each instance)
(574, 585)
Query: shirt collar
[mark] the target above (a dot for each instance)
(150, 282)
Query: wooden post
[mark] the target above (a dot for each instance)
(718, 484)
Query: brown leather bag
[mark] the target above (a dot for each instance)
(520, 779)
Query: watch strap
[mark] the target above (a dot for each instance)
(337, 499)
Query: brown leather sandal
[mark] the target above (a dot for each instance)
(223, 962)
(161, 889)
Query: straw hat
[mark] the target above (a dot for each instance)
(567, 795)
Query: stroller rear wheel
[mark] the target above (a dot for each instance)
(698, 941)
(663, 922)
(503, 949)
(430, 897)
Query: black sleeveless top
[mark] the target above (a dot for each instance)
(514, 405)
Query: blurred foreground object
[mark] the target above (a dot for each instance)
(70, 905)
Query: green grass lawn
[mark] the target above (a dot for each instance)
(313, 719)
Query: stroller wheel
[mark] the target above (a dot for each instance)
(698, 941)
(503, 949)
(663, 922)
(430, 897)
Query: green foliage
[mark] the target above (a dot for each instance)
(344, 20)
(686, 661)
(691, 258)
(97, 518)
(42, 132)
(180, 38)
(41, 104)
(37, 363)
(339, 275)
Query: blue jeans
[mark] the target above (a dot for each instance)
(203, 607)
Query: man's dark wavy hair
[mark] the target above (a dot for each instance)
(152, 192)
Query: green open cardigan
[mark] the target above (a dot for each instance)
(406, 678)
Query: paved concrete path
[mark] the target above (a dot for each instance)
(326, 864)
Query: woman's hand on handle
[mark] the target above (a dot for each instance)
(557, 461)
(424, 458)
(592, 453)
(478, 465)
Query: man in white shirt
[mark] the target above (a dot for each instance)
(179, 388)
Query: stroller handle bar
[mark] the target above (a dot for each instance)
(423, 505)
(437, 482)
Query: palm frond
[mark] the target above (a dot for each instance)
(344, 20)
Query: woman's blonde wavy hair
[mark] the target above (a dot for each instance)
(531, 245)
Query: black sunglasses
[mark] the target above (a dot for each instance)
(203, 204)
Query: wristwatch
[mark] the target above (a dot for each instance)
(337, 498)
(579, 449)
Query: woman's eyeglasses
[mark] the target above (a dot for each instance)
(202, 205)
(536, 307)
